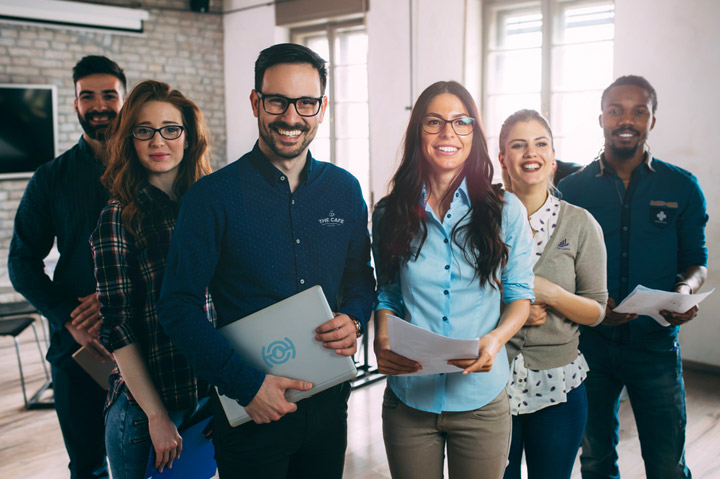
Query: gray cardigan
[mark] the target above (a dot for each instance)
(575, 259)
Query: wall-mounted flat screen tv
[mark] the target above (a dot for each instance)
(28, 128)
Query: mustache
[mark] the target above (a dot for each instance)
(110, 114)
(287, 126)
(626, 129)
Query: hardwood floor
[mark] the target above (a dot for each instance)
(31, 445)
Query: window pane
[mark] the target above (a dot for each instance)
(586, 23)
(350, 47)
(516, 71)
(351, 83)
(518, 28)
(351, 120)
(501, 107)
(582, 67)
(320, 149)
(578, 137)
(318, 44)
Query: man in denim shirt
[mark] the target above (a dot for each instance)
(653, 216)
(62, 202)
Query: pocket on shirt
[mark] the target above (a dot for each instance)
(662, 213)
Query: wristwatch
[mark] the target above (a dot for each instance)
(358, 327)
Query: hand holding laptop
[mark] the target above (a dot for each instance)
(270, 404)
(339, 334)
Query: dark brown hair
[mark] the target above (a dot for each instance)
(402, 217)
(124, 176)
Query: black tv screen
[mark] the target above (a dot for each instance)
(27, 128)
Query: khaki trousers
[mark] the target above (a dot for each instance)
(477, 441)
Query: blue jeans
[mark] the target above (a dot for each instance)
(127, 437)
(652, 374)
(550, 437)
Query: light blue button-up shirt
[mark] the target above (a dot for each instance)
(438, 291)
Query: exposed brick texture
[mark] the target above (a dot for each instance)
(180, 47)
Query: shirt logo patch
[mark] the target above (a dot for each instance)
(331, 220)
(661, 218)
(563, 245)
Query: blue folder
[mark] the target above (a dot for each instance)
(197, 459)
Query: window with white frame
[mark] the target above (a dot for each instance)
(554, 56)
(343, 137)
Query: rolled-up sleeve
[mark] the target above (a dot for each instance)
(388, 294)
(517, 276)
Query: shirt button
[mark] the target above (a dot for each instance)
(626, 206)
(446, 241)
(457, 195)
(292, 202)
(297, 241)
(282, 178)
(302, 281)
(447, 266)
(445, 318)
(449, 215)
(624, 280)
(446, 292)
(624, 255)
(624, 228)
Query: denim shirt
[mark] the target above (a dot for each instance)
(653, 230)
(438, 291)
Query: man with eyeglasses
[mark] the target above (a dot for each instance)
(272, 224)
(61, 204)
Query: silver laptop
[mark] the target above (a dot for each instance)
(280, 340)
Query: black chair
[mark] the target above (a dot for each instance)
(13, 327)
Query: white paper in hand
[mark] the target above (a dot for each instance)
(431, 350)
(650, 302)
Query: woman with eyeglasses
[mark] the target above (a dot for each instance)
(547, 395)
(158, 147)
(452, 252)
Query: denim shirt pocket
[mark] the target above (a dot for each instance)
(662, 213)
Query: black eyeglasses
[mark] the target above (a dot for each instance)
(462, 126)
(278, 104)
(169, 132)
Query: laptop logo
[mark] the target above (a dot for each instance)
(278, 352)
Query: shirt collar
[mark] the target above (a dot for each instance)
(461, 192)
(273, 175)
(647, 161)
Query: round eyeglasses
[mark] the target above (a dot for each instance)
(462, 126)
(278, 104)
(169, 132)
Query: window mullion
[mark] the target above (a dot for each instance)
(548, 21)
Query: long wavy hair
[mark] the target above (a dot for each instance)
(125, 176)
(403, 218)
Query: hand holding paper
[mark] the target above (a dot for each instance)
(431, 350)
(650, 302)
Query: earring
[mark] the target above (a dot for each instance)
(186, 146)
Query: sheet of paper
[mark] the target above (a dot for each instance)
(650, 302)
(431, 350)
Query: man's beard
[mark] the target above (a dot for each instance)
(95, 132)
(270, 141)
(626, 153)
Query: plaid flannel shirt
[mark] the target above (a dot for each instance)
(129, 272)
